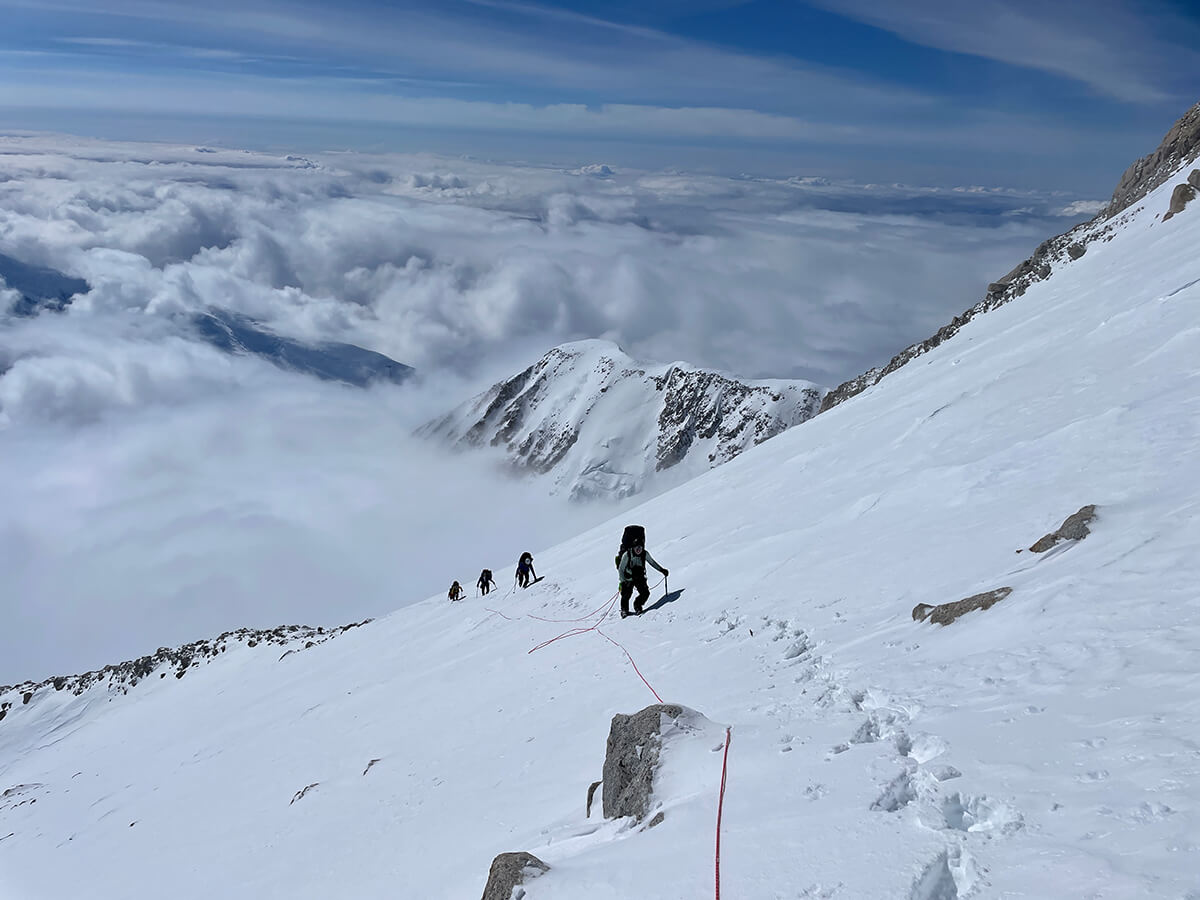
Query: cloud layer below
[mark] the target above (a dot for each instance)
(157, 489)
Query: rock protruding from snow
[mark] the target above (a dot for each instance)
(945, 613)
(605, 426)
(1073, 528)
(1183, 194)
(634, 743)
(509, 871)
(1180, 146)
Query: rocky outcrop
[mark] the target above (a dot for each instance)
(602, 425)
(509, 871)
(631, 758)
(1073, 528)
(945, 613)
(1180, 146)
(1180, 197)
(120, 677)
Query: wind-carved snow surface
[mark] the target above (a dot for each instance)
(603, 426)
(1044, 748)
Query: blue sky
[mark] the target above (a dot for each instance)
(1019, 92)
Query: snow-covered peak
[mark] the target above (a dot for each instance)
(601, 425)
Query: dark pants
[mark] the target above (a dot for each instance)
(523, 575)
(638, 581)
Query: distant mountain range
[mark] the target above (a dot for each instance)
(327, 360)
(41, 288)
(600, 424)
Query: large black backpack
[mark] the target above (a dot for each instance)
(632, 536)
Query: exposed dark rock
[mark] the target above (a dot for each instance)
(1180, 145)
(631, 759)
(591, 794)
(946, 613)
(1194, 178)
(1076, 250)
(1073, 528)
(658, 819)
(328, 360)
(299, 795)
(119, 678)
(509, 871)
(1180, 197)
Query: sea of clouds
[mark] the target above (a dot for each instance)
(154, 489)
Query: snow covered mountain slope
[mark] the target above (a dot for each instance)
(603, 425)
(1044, 748)
(327, 360)
(1170, 162)
(26, 290)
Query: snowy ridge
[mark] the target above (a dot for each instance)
(1179, 149)
(31, 289)
(177, 661)
(327, 360)
(604, 426)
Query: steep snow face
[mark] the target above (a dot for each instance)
(601, 425)
(1044, 748)
(1179, 150)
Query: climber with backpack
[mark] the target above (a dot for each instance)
(456, 592)
(485, 582)
(631, 568)
(525, 573)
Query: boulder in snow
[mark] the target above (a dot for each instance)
(1073, 528)
(509, 871)
(634, 743)
(946, 613)
(1183, 194)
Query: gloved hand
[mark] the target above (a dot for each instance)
(666, 573)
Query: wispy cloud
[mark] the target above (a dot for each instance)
(1105, 44)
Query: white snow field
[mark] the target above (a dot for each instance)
(1046, 748)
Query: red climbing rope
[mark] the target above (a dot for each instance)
(604, 608)
(497, 612)
(602, 612)
(720, 808)
(631, 662)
